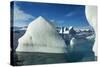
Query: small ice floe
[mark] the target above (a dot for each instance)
(81, 44)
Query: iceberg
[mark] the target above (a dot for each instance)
(81, 45)
(91, 15)
(41, 36)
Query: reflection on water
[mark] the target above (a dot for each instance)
(33, 58)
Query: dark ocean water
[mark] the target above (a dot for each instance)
(34, 58)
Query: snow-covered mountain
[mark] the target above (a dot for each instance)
(65, 30)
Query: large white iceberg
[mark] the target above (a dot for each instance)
(91, 15)
(41, 36)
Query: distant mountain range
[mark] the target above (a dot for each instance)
(16, 28)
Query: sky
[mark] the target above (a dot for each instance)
(60, 14)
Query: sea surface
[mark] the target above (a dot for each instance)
(34, 58)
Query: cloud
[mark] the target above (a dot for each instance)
(52, 20)
(70, 14)
(20, 17)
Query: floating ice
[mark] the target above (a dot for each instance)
(81, 45)
(91, 15)
(41, 36)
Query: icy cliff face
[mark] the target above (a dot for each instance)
(41, 36)
(91, 15)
